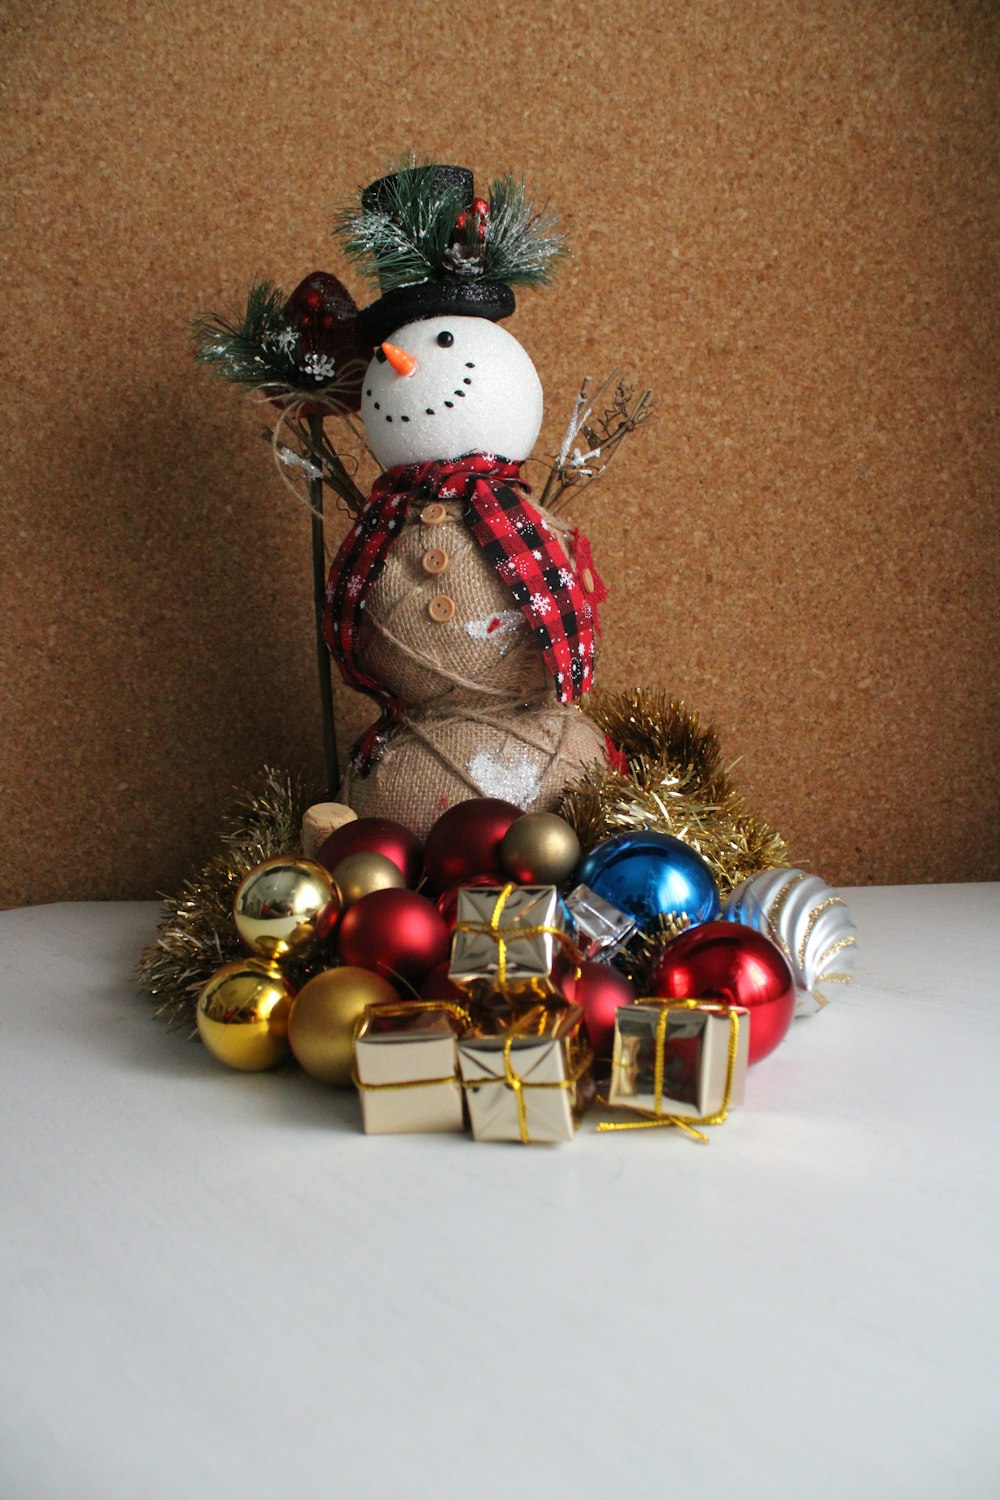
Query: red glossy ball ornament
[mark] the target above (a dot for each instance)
(736, 965)
(447, 902)
(375, 836)
(600, 989)
(397, 934)
(465, 842)
(437, 986)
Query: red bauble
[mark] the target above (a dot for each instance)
(465, 842)
(733, 964)
(600, 989)
(447, 902)
(397, 934)
(437, 986)
(375, 836)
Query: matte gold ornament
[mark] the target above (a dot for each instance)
(357, 875)
(243, 1015)
(285, 907)
(540, 849)
(321, 1027)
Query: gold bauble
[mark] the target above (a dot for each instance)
(357, 875)
(540, 849)
(321, 1027)
(286, 906)
(243, 1015)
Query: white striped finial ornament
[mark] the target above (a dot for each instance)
(809, 922)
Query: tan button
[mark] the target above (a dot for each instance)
(434, 560)
(441, 608)
(587, 579)
(433, 514)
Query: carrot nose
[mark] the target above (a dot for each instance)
(402, 363)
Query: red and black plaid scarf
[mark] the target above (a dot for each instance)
(518, 543)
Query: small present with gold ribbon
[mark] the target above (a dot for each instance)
(679, 1062)
(406, 1067)
(510, 941)
(532, 1082)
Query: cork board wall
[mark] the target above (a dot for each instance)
(783, 219)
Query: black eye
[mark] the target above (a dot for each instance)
(380, 355)
(446, 339)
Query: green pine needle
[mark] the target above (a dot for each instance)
(522, 245)
(256, 350)
(404, 240)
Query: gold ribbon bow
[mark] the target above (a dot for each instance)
(685, 1123)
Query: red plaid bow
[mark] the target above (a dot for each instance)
(518, 543)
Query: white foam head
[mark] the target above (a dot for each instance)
(480, 393)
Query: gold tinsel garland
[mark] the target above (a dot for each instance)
(197, 933)
(675, 783)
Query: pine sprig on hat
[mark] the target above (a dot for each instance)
(418, 229)
(403, 239)
(522, 245)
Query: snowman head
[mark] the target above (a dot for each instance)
(445, 386)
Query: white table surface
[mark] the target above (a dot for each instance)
(214, 1285)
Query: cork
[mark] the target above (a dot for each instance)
(319, 821)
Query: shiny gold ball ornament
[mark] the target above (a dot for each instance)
(357, 875)
(540, 849)
(243, 1015)
(321, 1026)
(286, 906)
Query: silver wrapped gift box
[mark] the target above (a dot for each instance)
(406, 1068)
(680, 1060)
(502, 945)
(528, 1087)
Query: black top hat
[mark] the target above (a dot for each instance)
(432, 299)
(435, 250)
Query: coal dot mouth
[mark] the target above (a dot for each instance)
(458, 394)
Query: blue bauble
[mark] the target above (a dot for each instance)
(649, 875)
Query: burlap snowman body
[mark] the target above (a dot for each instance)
(457, 605)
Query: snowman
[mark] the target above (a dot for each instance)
(453, 602)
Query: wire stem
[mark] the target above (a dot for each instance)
(319, 602)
